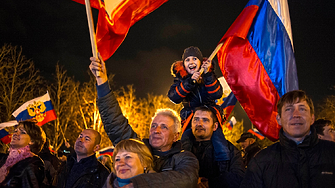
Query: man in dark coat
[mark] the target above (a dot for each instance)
(300, 159)
(175, 167)
(51, 163)
(249, 146)
(212, 173)
(82, 169)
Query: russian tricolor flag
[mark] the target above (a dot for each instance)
(228, 99)
(107, 151)
(256, 133)
(5, 136)
(258, 62)
(39, 109)
(230, 124)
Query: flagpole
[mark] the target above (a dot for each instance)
(91, 29)
(215, 51)
(211, 57)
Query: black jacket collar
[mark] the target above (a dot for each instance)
(309, 141)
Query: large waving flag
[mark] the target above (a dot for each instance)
(258, 62)
(39, 109)
(115, 18)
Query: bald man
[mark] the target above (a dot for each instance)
(82, 169)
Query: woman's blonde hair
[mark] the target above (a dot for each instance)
(135, 146)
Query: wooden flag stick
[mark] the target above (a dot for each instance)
(215, 51)
(91, 29)
(211, 57)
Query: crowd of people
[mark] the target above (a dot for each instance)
(186, 149)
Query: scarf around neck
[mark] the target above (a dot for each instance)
(15, 155)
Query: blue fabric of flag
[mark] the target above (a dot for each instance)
(273, 46)
(24, 115)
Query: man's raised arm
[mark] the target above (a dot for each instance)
(115, 124)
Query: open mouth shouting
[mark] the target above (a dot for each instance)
(192, 67)
(192, 64)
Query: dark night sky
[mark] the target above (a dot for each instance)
(56, 31)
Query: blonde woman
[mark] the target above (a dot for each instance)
(130, 158)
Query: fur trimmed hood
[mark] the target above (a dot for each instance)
(178, 69)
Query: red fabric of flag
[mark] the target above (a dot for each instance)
(113, 27)
(247, 77)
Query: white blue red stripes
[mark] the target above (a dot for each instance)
(271, 41)
(107, 151)
(257, 61)
(39, 109)
(24, 115)
(5, 137)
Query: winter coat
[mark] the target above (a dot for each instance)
(219, 173)
(51, 164)
(26, 173)
(111, 181)
(178, 168)
(192, 95)
(310, 164)
(92, 173)
(250, 152)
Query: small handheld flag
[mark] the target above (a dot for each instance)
(256, 133)
(39, 109)
(5, 136)
(107, 151)
(228, 99)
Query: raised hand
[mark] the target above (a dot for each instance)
(98, 65)
(206, 65)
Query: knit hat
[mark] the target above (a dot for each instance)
(192, 51)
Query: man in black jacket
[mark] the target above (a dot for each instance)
(300, 159)
(249, 146)
(82, 169)
(212, 173)
(175, 167)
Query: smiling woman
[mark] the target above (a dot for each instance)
(22, 167)
(131, 158)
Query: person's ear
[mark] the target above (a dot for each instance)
(96, 148)
(215, 126)
(176, 136)
(278, 119)
(319, 136)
